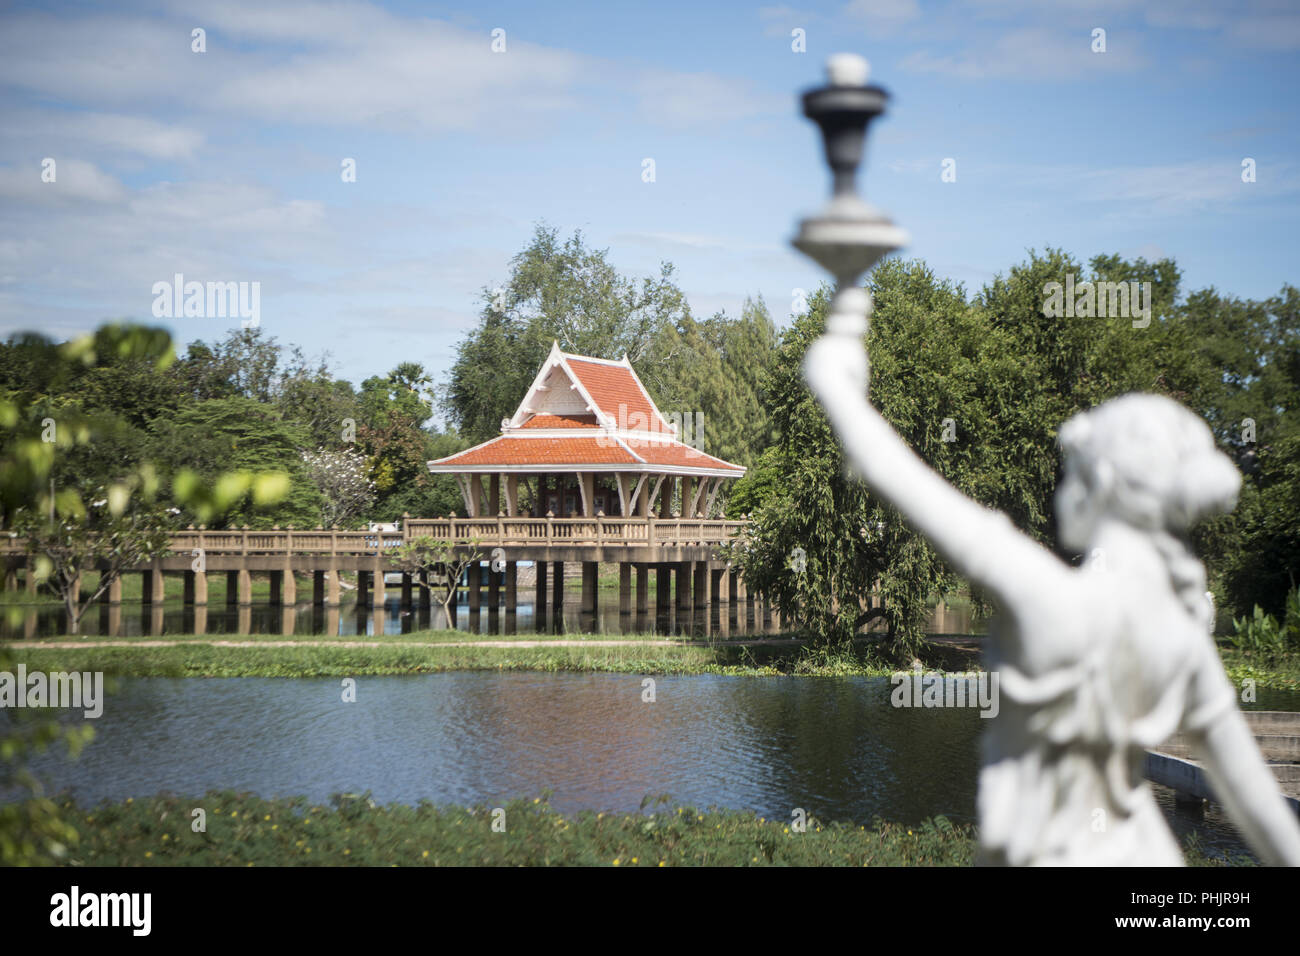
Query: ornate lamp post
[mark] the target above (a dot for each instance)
(848, 236)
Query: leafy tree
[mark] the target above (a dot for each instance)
(343, 481)
(442, 563)
(564, 292)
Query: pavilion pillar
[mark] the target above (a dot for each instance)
(687, 482)
(642, 587)
(245, 588)
(663, 586)
(475, 495)
(494, 496)
(333, 598)
(275, 582)
(587, 487)
(512, 587)
(624, 588)
(474, 579)
(115, 590)
(512, 495)
(683, 587)
(590, 584)
(701, 585)
(363, 589)
(318, 588)
(666, 498)
(539, 599)
(407, 590)
(187, 588)
(641, 507)
(557, 588)
(494, 588)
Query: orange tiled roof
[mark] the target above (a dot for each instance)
(543, 451)
(560, 452)
(614, 385)
(560, 421)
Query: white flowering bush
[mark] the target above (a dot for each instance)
(343, 478)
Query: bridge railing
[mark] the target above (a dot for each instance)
(629, 532)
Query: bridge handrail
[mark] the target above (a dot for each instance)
(502, 530)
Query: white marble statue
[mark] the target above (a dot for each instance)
(1097, 663)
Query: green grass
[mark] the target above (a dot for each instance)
(240, 829)
(398, 657)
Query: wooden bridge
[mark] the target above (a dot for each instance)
(683, 550)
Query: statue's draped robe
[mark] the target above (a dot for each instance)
(1062, 777)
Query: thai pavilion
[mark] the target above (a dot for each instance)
(587, 439)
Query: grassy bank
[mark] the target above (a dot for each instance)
(243, 830)
(198, 658)
(425, 652)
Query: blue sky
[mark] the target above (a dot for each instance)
(225, 165)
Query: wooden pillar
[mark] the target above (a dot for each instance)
(701, 584)
(683, 587)
(159, 582)
(200, 589)
(187, 588)
(377, 593)
(590, 585)
(318, 588)
(666, 498)
(232, 588)
(539, 599)
(663, 586)
(11, 577)
(146, 587)
(512, 587)
(494, 588)
(333, 599)
(624, 588)
(115, 591)
(557, 588)
(276, 579)
(494, 496)
(406, 591)
(363, 589)
(475, 495)
(426, 593)
(642, 587)
(288, 588)
(474, 580)
(245, 588)
(687, 482)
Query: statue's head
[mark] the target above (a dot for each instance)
(1144, 460)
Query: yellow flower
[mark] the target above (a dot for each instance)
(347, 852)
(616, 861)
(425, 854)
(166, 837)
(148, 853)
(130, 799)
(234, 813)
(633, 859)
(267, 817)
(275, 826)
(308, 850)
(662, 863)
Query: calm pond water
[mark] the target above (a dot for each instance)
(832, 746)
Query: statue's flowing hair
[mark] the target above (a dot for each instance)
(1157, 465)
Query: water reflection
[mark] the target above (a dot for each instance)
(831, 746)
